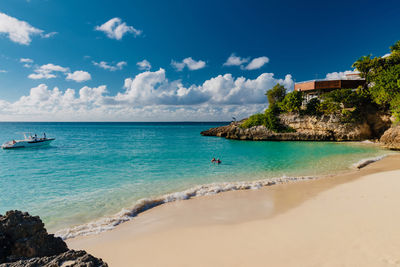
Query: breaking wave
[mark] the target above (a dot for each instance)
(364, 162)
(142, 205)
(109, 223)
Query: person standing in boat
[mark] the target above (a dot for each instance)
(44, 135)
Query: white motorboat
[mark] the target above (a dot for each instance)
(29, 141)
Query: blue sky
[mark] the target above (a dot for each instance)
(186, 43)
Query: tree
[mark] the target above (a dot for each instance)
(382, 75)
(276, 94)
(364, 65)
(386, 85)
(395, 47)
(292, 102)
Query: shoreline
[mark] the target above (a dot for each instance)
(109, 223)
(154, 228)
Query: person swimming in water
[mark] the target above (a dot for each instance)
(213, 160)
(218, 161)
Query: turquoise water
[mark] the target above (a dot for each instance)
(94, 170)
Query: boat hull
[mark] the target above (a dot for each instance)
(28, 144)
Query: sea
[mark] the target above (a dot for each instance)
(96, 175)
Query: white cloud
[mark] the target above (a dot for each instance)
(79, 76)
(144, 65)
(28, 62)
(257, 63)
(234, 60)
(153, 88)
(17, 30)
(345, 75)
(3, 71)
(20, 31)
(25, 60)
(116, 29)
(109, 66)
(149, 96)
(49, 35)
(188, 62)
(47, 71)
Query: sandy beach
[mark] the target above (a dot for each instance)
(351, 219)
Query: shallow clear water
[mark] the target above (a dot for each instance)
(95, 169)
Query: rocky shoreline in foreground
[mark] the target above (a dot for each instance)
(25, 242)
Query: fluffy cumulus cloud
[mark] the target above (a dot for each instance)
(110, 66)
(20, 31)
(79, 76)
(254, 64)
(344, 75)
(257, 63)
(149, 96)
(47, 71)
(143, 65)
(17, 30)
(188, 62)
(234, 60)
(116, 29)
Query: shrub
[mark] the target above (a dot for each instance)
(292, 102)
(313, 107)
(350, 115)
(328, 107)
(254, 120)
(395, 108)
(271, 120)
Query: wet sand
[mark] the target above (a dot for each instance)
(351, 219)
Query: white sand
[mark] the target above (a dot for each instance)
(348, 220)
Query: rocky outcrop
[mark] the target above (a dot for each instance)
(304, 128)
(391, 138)
(70, 258)
(25, 242)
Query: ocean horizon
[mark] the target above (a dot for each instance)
(94, 170)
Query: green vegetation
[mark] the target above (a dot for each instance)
(254, 120)
(292, 102)
(313, 107)
(276, 94)
(381, 92)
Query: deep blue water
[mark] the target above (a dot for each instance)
(93, 170)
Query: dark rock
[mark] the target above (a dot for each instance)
(391, 138)
(70, 258)
(25, 242)
(24, 236)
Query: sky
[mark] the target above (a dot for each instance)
(176, 60)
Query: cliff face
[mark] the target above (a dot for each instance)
(391, 138)
(306, 128)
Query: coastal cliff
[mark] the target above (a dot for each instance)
(25, 242)
(307, 128)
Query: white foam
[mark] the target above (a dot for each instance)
(364, 162)
(367, 142)
(109, 223)
(141, 205)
